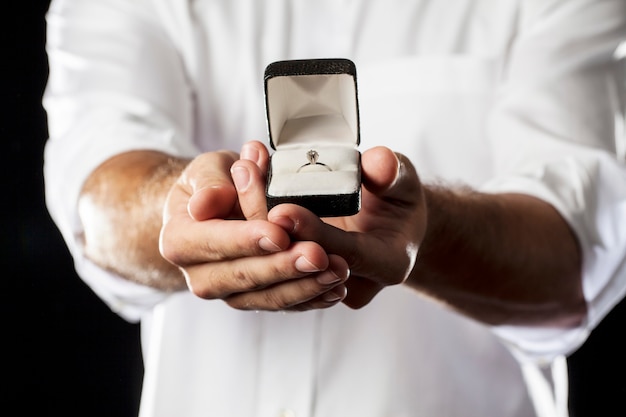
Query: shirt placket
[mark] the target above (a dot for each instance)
(287, 364)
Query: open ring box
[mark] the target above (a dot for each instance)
(313, 123)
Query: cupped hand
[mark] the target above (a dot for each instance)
(379, 243)
(215, 229)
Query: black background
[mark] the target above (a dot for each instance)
(64, 352)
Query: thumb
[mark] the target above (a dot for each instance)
(208, 185)
(390, 175)
(248, 174)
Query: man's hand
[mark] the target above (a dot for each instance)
(216, 231)
(379, 243)
(498, 258)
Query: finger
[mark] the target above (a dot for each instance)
(256, 152)
(311, 292)
(205, 187)
(250, 184)
(380, 242)
(381, 255)
(222, 279)
(390, 176)
(303, 225)
(327, 299)
(379, 168)
(184, 241)
(218, 201)
(249, 177)
(273, 299)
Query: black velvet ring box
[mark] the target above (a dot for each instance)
(313, 124)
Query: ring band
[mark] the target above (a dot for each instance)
(313, 156)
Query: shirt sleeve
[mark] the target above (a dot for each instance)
(557, 133)
(117, 83)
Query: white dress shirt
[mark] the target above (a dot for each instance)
(504, 95)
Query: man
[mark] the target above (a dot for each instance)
(508, 111)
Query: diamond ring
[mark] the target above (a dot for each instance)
(313, 156)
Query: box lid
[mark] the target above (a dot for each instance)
(312, 101)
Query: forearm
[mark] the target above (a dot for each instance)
(502, 259)
(120, 207)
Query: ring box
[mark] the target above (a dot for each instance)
(313, 125)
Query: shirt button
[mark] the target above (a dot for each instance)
(287, 413)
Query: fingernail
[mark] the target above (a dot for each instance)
(286, 223)
(267, 244)
(241, 178)
(398, 172)
(336, 294)
(304, 265)
(250, 153)
(328, 277)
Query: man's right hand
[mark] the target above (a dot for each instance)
(237, 255)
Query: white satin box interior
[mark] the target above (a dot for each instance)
(313, 125)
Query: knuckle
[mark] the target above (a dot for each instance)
(208, 287)
(203, 291)
(198, 290)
